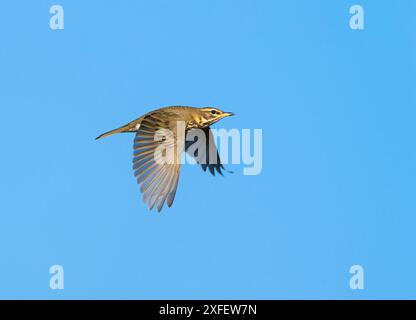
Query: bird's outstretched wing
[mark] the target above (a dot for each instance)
(158, 179)
(204, 151)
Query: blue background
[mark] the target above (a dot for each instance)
(337, 109)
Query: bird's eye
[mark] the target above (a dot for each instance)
(213, 112)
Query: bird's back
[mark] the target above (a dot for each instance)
(172, 114)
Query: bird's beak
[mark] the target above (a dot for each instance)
(227, 114)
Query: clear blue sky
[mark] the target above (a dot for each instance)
(337, 109)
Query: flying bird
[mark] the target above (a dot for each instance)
(158, 180)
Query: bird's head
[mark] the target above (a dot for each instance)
(211, 115)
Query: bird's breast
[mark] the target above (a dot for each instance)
(191, 124)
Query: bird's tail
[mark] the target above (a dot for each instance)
(126, 128)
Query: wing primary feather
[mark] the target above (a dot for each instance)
(158, 180)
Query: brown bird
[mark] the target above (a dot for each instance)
(158, 180)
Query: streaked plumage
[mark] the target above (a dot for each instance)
(159, 181)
